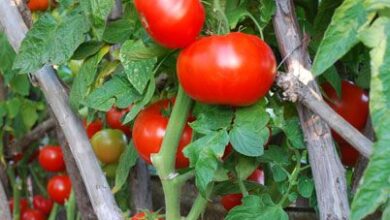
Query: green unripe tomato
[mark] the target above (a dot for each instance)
(108, 145)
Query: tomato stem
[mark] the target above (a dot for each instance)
(199, 205)
(243, 189)
(53, 213)
(164, 161)
(292, 178)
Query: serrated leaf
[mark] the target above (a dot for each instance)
(7, 55)
(276, 154)
(305, 186)
(267, 10)
(255, 208)
(248, 141)
(204, 155)
(51, 41)
(211, 118)
(342, 34)
(253, 116)
(278, 173)
(293, 131)
(118, 31)
(236, 15)
(116, 90)
(127, 160)
(87, 49)
(85, 78)
(375, 187)
(98, 10)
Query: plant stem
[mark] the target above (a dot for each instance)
(199, 205)
(37, 182)
(256, 24)
(243, 189)
(181, 179)
(164, 161)
(71, 207)
(293, 177)
(53, 213)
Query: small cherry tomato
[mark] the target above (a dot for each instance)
(108, 145)
(145, 216)
(93, 127)
(33, 214)
(38, 5)
(149, 130)
(231, 200)
(114, 120)
(257, 176)
(43, 204)
(23, 204)
(236, 69)
(352, 105)
(51, 159)
(172, 23)
(59, 188)
(349, 156)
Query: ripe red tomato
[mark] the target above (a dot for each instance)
(142, 216)
(93, 127)
(149, 130)
(349, 156)
(108, 145)
(51, 159)
(33, 214)
(231, 200)
(59, 188)
(172, 23)
(114, 120)
(38, 5)
(235, 69)
(257, 176)
(43, 204)
(23, 204)
(352, 105)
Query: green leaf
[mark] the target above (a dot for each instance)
(236, 15)
(85, 78)
(248, 141)
(276, 154)
(324, 15)
(267, 10)
(98, 11)
(118, 31)
(257, 208)
(127, 160)
(245, 166)
(253, 116)
(305, 186)
(7, 55)
(293, 131)
(204, 155)
(227, 187)
(138, 62)
(87, 49)
(332, 76)
(342, 34)
(13, 107)
(51, 41)
(375, 187)
(116, 91)
(20, 84)
(29, 113)
(278, 173)
(211, 118)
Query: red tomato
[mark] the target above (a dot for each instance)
(172, 23)
(149, 130)
(43, 204)
(142, 216)
(235, 69)
(352, 105)
(349, 156)
(93, 127)
(230, 201)
(59, 188)
(23, 204)
(114, 120)
(257, 176)
(33, 214)
(51, 159)
(38, 5)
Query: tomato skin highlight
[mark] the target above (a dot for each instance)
(108, 145)
(33, 214)
(114, 120)
(51, 159)
(353, 105)
(43, 204)
(231, 200)
(38, 5)
(235, 69)
(59, 188)
(172, 23)
(93, 127)
(149, 130)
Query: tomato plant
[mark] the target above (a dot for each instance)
(33, 214)
(108, 145)
(38, 5)
(42, 204)
(59, 188)
(93, 127)
(235, 69)
(51, 158)
(114, 120)
(172, 23)
(352, 105)
(149, 130)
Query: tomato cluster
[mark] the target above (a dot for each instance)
(42, 208)
(352, 105)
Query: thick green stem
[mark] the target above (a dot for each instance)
(199, 205)
(243, 189)
(164, 161)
